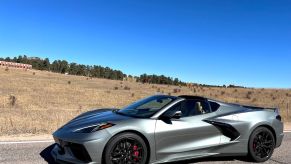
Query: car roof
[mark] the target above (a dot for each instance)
(188, 97)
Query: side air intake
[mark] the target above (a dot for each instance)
(225, 129)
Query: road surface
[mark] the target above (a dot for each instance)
(38, 153)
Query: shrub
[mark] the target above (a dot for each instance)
(12, 100)
(132, 94)
(115, 88)
(126, 88)
(176, 90)
(159, 90)
(222, 92)
(33, 73)
(248, 95)
(6, 69)
(69, 82)
(273, 98)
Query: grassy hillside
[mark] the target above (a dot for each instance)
(39, 102)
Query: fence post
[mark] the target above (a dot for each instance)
(287, 111)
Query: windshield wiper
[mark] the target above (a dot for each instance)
(115, 110)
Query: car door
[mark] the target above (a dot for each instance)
(187, 136)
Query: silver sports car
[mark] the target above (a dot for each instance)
(164, 128)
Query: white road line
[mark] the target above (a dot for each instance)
(25, 142)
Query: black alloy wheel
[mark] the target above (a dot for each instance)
(126, 148)
(261, 144)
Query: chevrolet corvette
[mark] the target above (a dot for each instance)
(163, 128)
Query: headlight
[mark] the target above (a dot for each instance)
(94, 128)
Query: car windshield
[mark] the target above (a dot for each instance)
(147, 107)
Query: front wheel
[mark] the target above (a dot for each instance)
(126, 148)
(261, 144)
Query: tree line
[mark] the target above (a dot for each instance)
(62, 66)
(155, 79)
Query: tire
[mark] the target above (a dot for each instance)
(261, 144)
(126, 148)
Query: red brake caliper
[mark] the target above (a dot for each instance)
(135, 152)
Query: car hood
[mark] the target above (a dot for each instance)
(93, 118)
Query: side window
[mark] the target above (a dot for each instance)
(214, 106)
(189, 108)
(170, 112)
(194, 107)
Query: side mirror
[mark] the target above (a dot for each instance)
(177, 115)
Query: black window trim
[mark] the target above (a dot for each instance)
(191, 98)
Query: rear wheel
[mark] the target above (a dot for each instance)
(261, 144)
(126, 148)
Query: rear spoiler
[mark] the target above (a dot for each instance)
(276, 110)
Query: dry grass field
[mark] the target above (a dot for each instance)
(38, 102)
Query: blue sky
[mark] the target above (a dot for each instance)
(242, 42)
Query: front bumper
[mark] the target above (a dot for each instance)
(66, 157)
(75, 148)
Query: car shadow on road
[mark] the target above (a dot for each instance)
(213, 159)
(46, 154)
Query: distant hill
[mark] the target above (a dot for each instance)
(64, 67)
(38, 102)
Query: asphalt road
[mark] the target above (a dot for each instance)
(38, 153)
